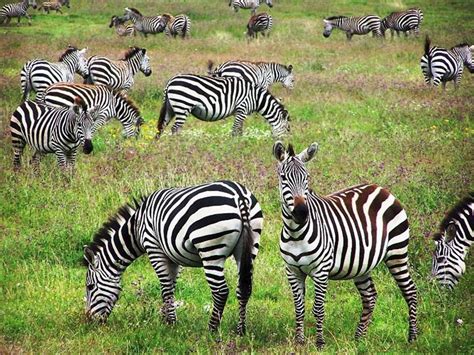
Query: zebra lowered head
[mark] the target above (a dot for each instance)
(464, 51)
(329, 25)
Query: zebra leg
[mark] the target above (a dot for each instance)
(320, 287)
(348, 36)
(179, 122)
(18, 148)
(214, 271)
(443, 84)
(237, 127)
(367, 292)
(71, 161)
(35, 161)
(297, 283)
(62, 159)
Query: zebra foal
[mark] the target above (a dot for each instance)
(353, 25)
(120, 28)
(341, 236)
(18, 10)
(249, 4)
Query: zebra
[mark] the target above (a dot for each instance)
(455, 236)
(249, 4)
(16, 10)
(262, 22)
(108, 102)
(118, 75)
(212, 99)
(143, 24)
(262, 74)
(52, 130)
(176, 26)
(51, 5)
(197, 226)
(442, 65)
(121, 29)
(340, 236)
(38, 74)
(353, 25)
(404, 21)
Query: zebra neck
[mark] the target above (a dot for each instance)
(70, 64)
(134, 64)
(461, 246)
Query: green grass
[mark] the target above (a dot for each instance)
(364, 102)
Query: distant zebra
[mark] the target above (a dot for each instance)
(51, 5)
(212, 99)
(404, 21)
(199, 226)
(51, 130)
(262, 74)
(249, 4)
(353, 25)
(120, 28)
(65, 3)
(341, 236)
(118, 74)
(455, 237)
(18, 10)
(262, 22)
(38, 74)
(176, 26)
(109, 104)
(442, 65)
(143, 24)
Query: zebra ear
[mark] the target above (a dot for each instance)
(290, 68)
(309, 153)
(279, 151)
(471, 48)
(90, 257)
(450, 232)
(325, 21)
(143, 51)
(83, 50)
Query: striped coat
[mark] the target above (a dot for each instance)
(18, 10)
(262, 22)
(353, 25)
(143, 24)
(404, 21)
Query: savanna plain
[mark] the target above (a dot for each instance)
(364, 102)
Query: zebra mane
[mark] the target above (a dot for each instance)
(135, 10)
(131, 52)
(128, 101)
(335, 17)
(454, 212)
(460, 45)
(68, 51)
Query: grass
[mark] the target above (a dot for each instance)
(364, 102)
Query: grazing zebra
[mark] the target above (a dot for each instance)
(344, 235)
(16, 10)
(51, 5)
(259, 23)
(143, 24)
(121, 29)
(262, 74)
(198, 226)
(176, 26)
(404, 21)
(51, 130)
(118, 74)
(38, 74)
(442, 65)
(212, 99)
(456, 235)
(109, 104)
(353, 25)
(248, 4)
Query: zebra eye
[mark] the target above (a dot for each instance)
(90, 287)
(441, 259)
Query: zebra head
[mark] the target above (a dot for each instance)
(274, 112)
(288, 80)
(293, 180)
(84, 124)
(145, 67)
(327, 28)
(269, 3)
(129, 115)
(465, 53)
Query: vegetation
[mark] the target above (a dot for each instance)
(366, 104)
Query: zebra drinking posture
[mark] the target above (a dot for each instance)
(51, 130)
(262, 74)
(38, 74)
(143, 24)
(212, 99)
(118, 74)
(344, 235)
(109, 104)
(176, 26)
(248, 4)
(404, 21)
(18, 10)
(199, 226)
(259, 23)
(121, 29)
(51, 5)
(442, 65)
(353, 25)
(455, 237)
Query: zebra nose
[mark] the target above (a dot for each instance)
(300, 211)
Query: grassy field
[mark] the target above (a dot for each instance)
(366, 104)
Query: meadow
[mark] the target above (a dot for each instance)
(364, 102)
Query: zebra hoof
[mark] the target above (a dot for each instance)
(241, 330)
(300, 339)
(157, 136)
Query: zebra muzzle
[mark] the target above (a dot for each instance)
(88, 147)
(300, 211)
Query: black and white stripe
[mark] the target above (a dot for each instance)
(262, 74)
(176, 26)
(353, 25)
(51, 130)
(120, 28)
(441, 65)
(199, 226)
(109, 104)
(455, 237)
(18, 10)
(51, 5)
(143, 24)
(118, 74)
(341, 236)
(404, 21)
(212, 99)
(38, 74)
(249, 4)
(262, 22)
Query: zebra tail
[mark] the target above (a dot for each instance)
(28, 84)
(246, 262)
(165, 112)
(185, 28)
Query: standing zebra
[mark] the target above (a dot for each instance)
(259, 23)
(455, 237)
(143, 24)
(248, 4)
(38, 74)
(404, 21)
(121, 29)
(212, 99)
(18, 10)
(51, 5)
(444, 65)
(109, 104)
(262, 74)
(51, 130)
(344, 235)
(198, 226)
(176, 26)
(353, 25)
(118, 74)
